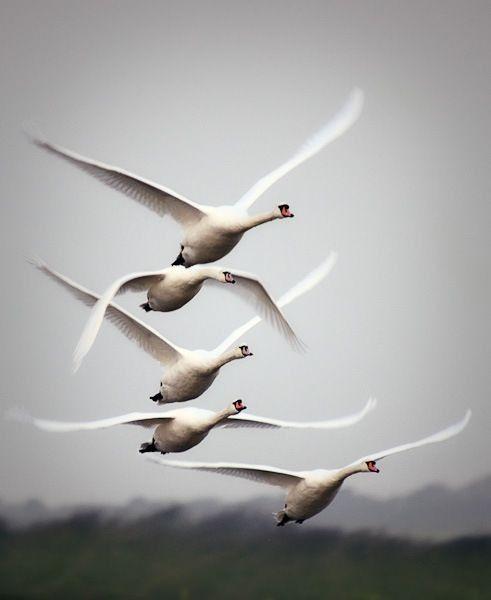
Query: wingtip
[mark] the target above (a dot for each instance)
(76, 362)
(16, 413)
(355, 103)
(331, 260)
(33, 134)
(35, 261)
(467, 417)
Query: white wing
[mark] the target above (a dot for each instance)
(133, 281)
(260, 473)
(159, 199)
(250, 289)
(266, 423)
(142, 419)
(143, 335)
(340, 123)
(440, 436)
(305, 285)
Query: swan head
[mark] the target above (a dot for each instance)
(244, 351)
(228, 277)
(284, 212)
(370, 466)
(238, 406)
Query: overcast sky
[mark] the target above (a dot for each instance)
(206, 97)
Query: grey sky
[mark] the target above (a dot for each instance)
(206, 97)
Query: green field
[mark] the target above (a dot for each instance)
(233, 558)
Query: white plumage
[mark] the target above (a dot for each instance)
(189, 373)
(309, 492)
(212, 232)
(180, 429)
(171, 288)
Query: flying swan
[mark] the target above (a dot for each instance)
(183, 428)
(189, 373)
(212, 232)
(309, 492)
(171, 288)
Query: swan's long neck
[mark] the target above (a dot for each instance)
(227, 357)
(223, 415)
(348, 471)
(255, 220)
(202, 273)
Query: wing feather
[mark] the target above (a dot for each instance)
(158, 199)
(143, 419)
(255, 421)
(340, 123)
(252, 291)
(301, 288)
(135, 282)
(440, 436)
(259, 473)
(135, 330)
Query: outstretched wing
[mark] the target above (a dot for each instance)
(158, 199)
(302, 287)
(143, 335)
(259, 473)
(143, 419)
(340, 123)
(440, 436)
(242, 420)
(135, 282)
(250, 289)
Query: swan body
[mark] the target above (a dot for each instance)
(188, 373)
(180, 429)
(191, 376)
(171, 288)
(216, 234)
(309, 492)
(210, 232)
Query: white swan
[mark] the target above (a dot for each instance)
(211, 232)
(189, 373)
(309, 492)
(171, 288)
(183, 428)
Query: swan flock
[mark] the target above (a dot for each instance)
(209, 233)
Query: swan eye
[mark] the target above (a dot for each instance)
(371, 464)
(245, 350)
(229, 278)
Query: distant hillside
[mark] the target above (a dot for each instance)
(434, 512)
(231, 555)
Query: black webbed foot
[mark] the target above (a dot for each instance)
(299, 521)
(146, 307)
(282, 519)
(180, 259)
(148, 447)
